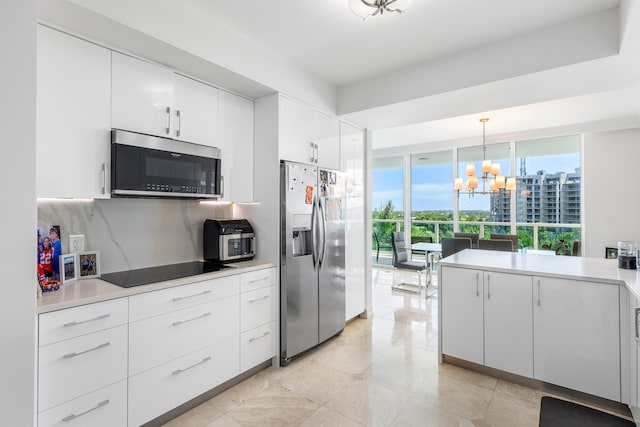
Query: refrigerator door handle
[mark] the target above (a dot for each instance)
(323, 220)
(314, 219)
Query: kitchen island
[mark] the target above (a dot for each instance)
(566, 321)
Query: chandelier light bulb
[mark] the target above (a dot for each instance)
(495, 169)
(457, 184)
(486, 166)
(511, 183)
(471, 169)
(500, 182)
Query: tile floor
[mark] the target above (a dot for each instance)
(381, 371)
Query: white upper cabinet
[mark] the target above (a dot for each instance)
(142, 96)
(235, 116)
(296, 131)
(73, 126)
(307, 135)
(195, 112)
(151, 99)
(326, 134)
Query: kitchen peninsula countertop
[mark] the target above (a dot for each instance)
(565, 267)
(88, 291)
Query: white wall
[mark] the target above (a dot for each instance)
(18, 212)
(611, 199)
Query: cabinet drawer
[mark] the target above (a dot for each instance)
(157, 340)
(74, 322)
(71, 368)
(257, 279)
(158, 390)
(257, 345)
(106, 407)
(257, 308)
(172, 299)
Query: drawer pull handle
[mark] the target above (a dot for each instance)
(257, 338)
(102, 316)
(74, 416)
(259, 280)
(208, 291)
(179, 371)
(180, 322)
(539, 293)
(74, 354)
(259, 299)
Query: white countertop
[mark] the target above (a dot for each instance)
(567, 267)
(90, 291)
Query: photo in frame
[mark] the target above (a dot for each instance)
(611, 253)
(89, 264)
(49, 251)
(68, 268)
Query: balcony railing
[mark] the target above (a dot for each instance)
(532, 235)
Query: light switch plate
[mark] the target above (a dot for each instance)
(76, 243)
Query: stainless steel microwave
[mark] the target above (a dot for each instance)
(150, 166)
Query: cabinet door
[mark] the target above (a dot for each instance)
(576, 329)
(326, 133)
(73, 107)
(508, 323)
(352, 159)
(141, 96)
(236, 142)
(296, 131)
(461, 291)
(634, 353)
(106, 407)
(195, 114)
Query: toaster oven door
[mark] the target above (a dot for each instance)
(236, 246)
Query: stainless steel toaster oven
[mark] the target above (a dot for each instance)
(228, 240)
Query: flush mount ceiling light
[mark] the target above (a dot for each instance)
(496, 184)
(368, 8)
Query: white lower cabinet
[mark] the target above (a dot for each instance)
(257, 307)
(462, 313)
(158, 390)
(257, 345)
(72, 368)
(508, 323)
(106, 407)
(130, 360)
(577, 335)
(156, 340)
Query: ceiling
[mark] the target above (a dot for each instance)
(328, 40)
(334, 45)
(419, 78)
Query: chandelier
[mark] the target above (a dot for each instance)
(368, 8)
(490, 174)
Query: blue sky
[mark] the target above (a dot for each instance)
(433, 186)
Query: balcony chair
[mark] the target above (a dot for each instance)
(452, 245)
(473, 236)
(401, 262)
(512, 237)
(378, 247)
(496, 245)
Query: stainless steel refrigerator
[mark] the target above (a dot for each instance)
(312, 254)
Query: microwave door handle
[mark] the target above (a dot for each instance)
(221, 186)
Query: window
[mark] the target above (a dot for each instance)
(388, 203)
(431, 196)
(548, 192)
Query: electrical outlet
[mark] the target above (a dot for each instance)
(76, 243)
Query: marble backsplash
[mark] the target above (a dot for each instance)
(134, 233)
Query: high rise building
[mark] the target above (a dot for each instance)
(550, 198)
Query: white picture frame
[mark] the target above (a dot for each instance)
(88, 264)
(68, 268)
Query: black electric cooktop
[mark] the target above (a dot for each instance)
(144, 276)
